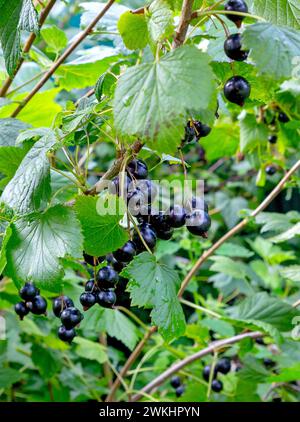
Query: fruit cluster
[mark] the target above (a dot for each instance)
(176, 383)
(223, 366)
(32, 301)
(63, 308)
(194, 131)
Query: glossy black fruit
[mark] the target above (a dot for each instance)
(60, 303)
(201, 130)
(217, 386)
(283, 118)
(269, 363)
(115, 185)
(126, 253)
(107, 277)
(233, 48)
(165, 234)
(65, 334)
(138, 169)
(236, 6)
(179, 391)
(93, 260)
(106, 298)
(28, 292)
(189, 133)
(237, 90)
(135, 200)
(90, 285)
(38, 305)
(271, 170)
(272, 139)
(148, 234)
(71, 317)
(198, 222)
(117, 265)
(21, 309)
(177, 216)
(206, 373)
(223, 366)
(175, 381)
(87, 299)
(198, 204)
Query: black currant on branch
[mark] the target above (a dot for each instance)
(28, 292)
(70, 317)
(107, 277)
(236, 6)
(66, 335)
(175, 381)
(137, 169)
(283, 118)
(217, 386)
(233, 48)
(271, 170)
(61, 303)
(149, 236)
(21, 309)
(106, 298)
(272, 139)
(237, 89)
(126, 253)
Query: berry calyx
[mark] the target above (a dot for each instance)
(28, 292)
(198, 222)
(177, 216)
(223, 366)
(233, 48)
(106, 298)
(237, 89)
(93, 260)
(271, 170)
(283, 118)
(38, 305)
(107, 277)
(272, 139)
(216, 386)
(138, 169)
(71, 317)
(148, 234)
(60, 303)
(21, 309)
(179, 390)
(65, 334)
(126, 253)
(87, 300)
(236, 6)
(175, 381)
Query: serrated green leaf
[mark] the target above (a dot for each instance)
(287, 235)
(273, 221)
(286, 374)
(155, 285)
(55, 38)
(102, 232)
(29, 17)
(10, 159)
(37, 243)
(225, 265)
(88, 349)
(9, 131)
(46, 360)
(159, 20)
(252, 133)
(9, 376)
(234, 250)
(119, 326)
(3, 260)
(281, 12)
(133, 30)
(223, 141)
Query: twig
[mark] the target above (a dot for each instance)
(198, 355)
(106, 367)
(27, 46)
(185, 18)
(62, 58)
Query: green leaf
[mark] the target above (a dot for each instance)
(234, 250)
(155, 285)
(133, 30)
(46, 360)
(159, 20)
(37, 243)
(215, 148)
(253, 133)
(3, 260)
(274, 222)
(29, 17)
(119, 326)
(272, 48)
(10, 159)
(287, 235)
(281, 12)
(102, 232)
(9, 376)
(9, 131)
(291, 273)
(55, 38)
(153, 100)
(30, 186)
(286, 374)
(225, 265)
(88, 349)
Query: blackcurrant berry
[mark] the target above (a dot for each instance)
(106, 298)
(90, 285)
(189, 133)
(126, 253)
(135, 200)
(21, 309)
(179, 391)
(201, 130)
(117, 265)
(269, 363)
(107, 277)
(233, 48)
(236, 6)
(115, 185)
(206, 373)
(283, 118)
(38, 305)
(272, 139)
(148, 188)
(87, 300)
(165, 234)
(198, 222)
(260, 341)
(70, 317)
(223, 366)
(148, 234)
(271, 170)
(60, 303)
(237, 90)
(138, 169)
(65, 334)
(175, 381)
(93, 260)
(28, 292)
(217, 386)
(177, 216)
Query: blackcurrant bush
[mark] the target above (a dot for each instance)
(107, 277)
(28, 292)
(223, 366)
(60, 303)
(233, 48)
(201, 130)
(271, 170)
(90, 285)
(175, 381)
(198, 222)
(148, 234)
(179, 391)
(38, 305)
(126, 253)
(283, 118)
(177, 216)
(217, 386)
(272, 139)
(87, 300)
(236, 6)
(93, 260)
(237, 90)
(106, 298)
(138, 169)
(206, 373)
(70, 317)
(65, 334)
(117, 265)
(21, 309)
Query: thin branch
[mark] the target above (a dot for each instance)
(27, 46)
(62, 58)
(185, 18)
(198, 355)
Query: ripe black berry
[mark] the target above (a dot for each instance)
(71, 317)
(21, 309)
(179, 390)
(283, 118)
(175, 381)
(177, 216)
(237, 90)
(28, 292)
(206, 373)
(93, 260)
(269, 363)
(117, 265)
(115, 188)
(233, 48)
(217, 386)
(60, 303)
(271, 170)
(189, 133)
(148, 234)
(201, 130)
(89, 285)
(126, 253)
(106, 298)
(198, 222)
(272, 139)
(236, 6)
(223, 366)
(135, 200)
(107, 277)
(38, 305)
(160, 222)
(165, 234)
(87, 300)
(138, 169)
(65, 334)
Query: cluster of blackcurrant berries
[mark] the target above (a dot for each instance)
(194, 131)
(279, 116)
(223, 366)
(32, 301)
(63, 308)
(237, 89)
(176, 383)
